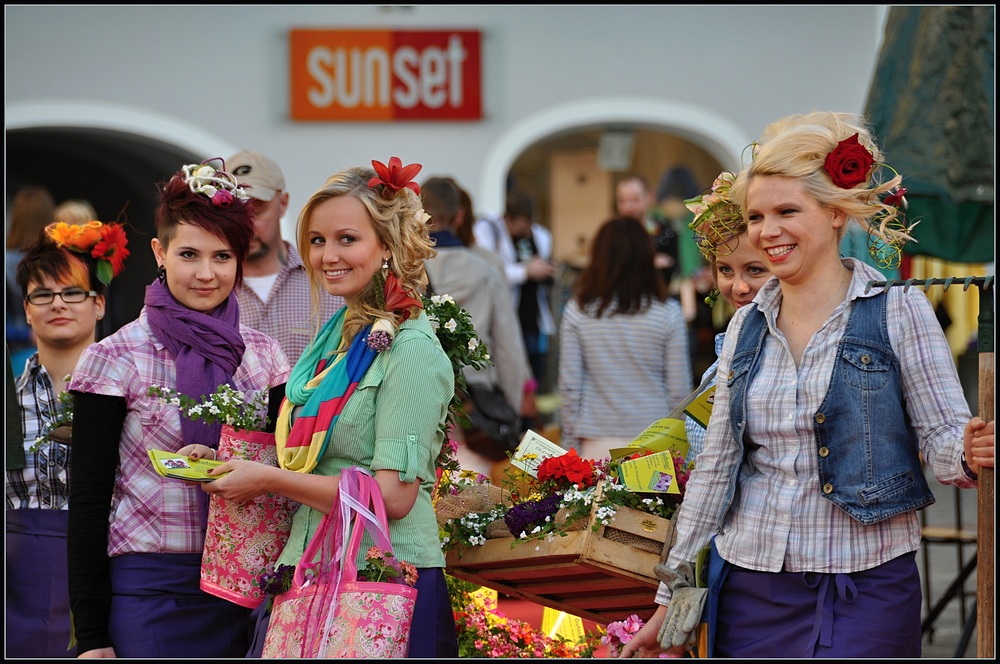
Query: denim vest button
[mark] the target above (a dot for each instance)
(827, 488)
(866, 359)
(820, 418)
(824, 451)
(732, 374)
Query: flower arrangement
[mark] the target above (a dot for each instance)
(484, 631)
(558, 501)
(104, 242)
(382, 567)
(219, 187)
(245, 412)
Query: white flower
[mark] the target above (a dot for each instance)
(473, 344)
(195, 410)
(451, 325)
(486, 356)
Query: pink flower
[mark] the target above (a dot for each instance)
(222, 199)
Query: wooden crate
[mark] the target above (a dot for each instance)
(602, 576)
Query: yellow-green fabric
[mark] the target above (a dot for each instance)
(392, 422)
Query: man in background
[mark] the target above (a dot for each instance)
(274, 296)
(479, 287)
(634, 199)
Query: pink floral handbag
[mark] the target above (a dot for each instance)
(244, 540)
(327, 612)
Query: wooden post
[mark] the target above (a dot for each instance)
(984, 571)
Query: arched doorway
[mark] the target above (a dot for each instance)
(113, 158)
(559, 157)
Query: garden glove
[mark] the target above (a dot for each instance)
(686, 605)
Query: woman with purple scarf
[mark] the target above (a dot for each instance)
(134, 571)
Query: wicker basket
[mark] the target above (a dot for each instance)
(603, 575)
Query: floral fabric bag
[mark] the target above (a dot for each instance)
(243, 540)
(329, 612)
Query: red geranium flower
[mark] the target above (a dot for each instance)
(570, 467)
(849, 163)
(394, 177)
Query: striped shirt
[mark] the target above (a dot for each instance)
(44, 481)
(619, 374)
(287, 316)
(149, 513)
(781, 520)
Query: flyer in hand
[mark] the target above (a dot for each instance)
(180, 467)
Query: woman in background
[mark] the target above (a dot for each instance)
(63, 300)
(623, 361)
(721, 235)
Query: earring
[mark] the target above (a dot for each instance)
(161, 274)
(100, 316)
(385, 263)
(28, 320)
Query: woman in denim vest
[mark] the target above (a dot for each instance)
(829, 396)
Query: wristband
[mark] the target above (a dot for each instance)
(968, 471)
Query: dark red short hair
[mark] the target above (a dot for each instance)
(232, 224)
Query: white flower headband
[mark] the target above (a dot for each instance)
(217, 185)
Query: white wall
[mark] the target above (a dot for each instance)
(218, 75)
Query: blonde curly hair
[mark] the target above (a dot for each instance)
(797, 147)
(400, 224)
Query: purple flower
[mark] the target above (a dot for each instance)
(523, 517)
(379, 340)
(278, 581)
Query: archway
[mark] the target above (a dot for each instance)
(112, 157)
(702, 126)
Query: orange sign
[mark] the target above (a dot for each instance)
(385, 75)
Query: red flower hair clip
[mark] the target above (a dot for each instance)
(849, 163)
(394, 177)
(104, 242)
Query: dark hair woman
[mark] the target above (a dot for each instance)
(623, 360)
(134, 571)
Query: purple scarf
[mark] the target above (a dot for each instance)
(207, 349)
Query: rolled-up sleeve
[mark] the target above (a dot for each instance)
(412, 400)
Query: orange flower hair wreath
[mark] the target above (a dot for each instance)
(105, 242)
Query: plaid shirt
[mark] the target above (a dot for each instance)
(781, 520)
(44, 481)
(149, 513)
(287, 316)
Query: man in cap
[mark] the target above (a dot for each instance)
(274, 297)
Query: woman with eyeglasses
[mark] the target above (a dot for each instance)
(136, 538)
(63, 300)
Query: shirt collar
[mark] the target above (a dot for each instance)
(769, 296)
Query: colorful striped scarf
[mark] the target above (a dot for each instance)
(322, 381)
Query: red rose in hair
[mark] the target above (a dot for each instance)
(849, 163)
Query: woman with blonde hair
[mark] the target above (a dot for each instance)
(371, 391)
(808, 488)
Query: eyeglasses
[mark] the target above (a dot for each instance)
(69, 296)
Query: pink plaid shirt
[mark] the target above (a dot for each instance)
(149, 513)
(288, 315)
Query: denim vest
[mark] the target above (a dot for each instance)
(869, 461)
